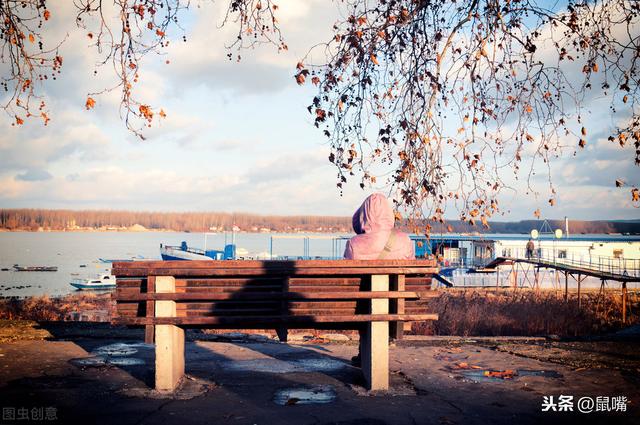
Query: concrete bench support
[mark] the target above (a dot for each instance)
(169, 340)
(375, 347)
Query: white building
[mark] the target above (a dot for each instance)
(477, 250)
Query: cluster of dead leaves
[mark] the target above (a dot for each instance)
(502, 374)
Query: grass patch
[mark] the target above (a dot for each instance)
(526, 313)
(475, 312)
(47, 308)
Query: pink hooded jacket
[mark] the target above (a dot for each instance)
(373, 222)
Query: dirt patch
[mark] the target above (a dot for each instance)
(16, 330)
(190, 387)
(399, 385)
(622, 355)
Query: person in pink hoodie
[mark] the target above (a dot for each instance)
(376, 239)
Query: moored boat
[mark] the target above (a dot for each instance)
(98, 283)
(35, 268)
(185, 252)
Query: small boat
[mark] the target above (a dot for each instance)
(120, 260)
(35, 268)
(105, 281)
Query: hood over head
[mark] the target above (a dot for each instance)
(375, 214)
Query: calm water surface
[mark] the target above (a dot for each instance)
(69, 250)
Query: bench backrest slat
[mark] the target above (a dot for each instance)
(272, 268)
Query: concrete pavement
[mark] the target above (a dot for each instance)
(106, 380)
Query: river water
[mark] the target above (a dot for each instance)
(77, 254)
(71, 250)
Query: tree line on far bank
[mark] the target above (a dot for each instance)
(33, 219)
(43, 219)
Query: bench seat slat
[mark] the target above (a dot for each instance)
(237, 304)
(268, 296)
(134, 307)
(271, 320)
(327, 280)
(274, 312)
(276, 264)
(263, 290)
(185, 270)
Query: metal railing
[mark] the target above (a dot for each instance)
(559, 257)
(461, 262)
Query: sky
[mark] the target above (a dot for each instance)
(237, 136)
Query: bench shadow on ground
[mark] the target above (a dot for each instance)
(239, 375)
(127, 351)
(286, 313)
(241, 311)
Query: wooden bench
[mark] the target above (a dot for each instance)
(168, 296)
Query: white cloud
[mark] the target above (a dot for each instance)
(286, 167)
(287, 184)
(203, 58)
(33, 175)
(36, 146)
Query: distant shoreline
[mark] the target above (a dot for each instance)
(160, 231)
(525, 234)
(46, 220)
(86, 230)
